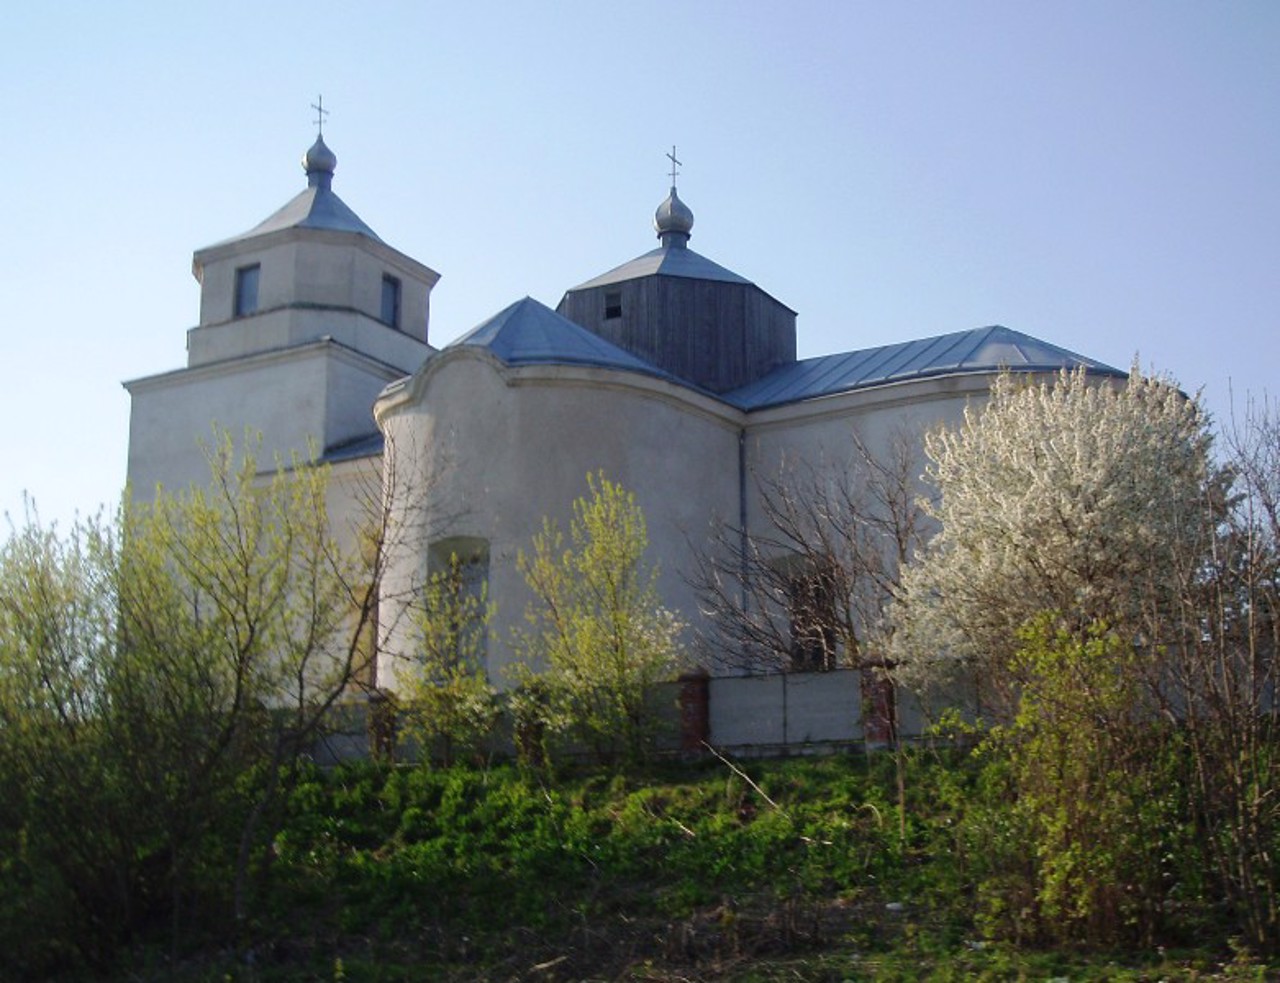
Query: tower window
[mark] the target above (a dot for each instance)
(246, 300)
(390, 301)
(613, 305)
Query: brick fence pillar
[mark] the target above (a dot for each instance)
(878, 709)
(382, 726)
(695, 710)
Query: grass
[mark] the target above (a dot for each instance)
(798, 869)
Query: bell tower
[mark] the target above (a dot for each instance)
(303, 320)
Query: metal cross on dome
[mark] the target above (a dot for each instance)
(321, 113)
(674, 164)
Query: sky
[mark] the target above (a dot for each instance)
(1101, 175)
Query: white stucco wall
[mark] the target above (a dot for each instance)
(492, 451)
(820, 434)
(815, 444)
(286, 327)
(319, 392)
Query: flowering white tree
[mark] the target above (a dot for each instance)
(1075, 496)
(1122, 592)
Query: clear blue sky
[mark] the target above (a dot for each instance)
(1102, 175)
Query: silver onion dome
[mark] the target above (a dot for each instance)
(319, 162)
(673, 221)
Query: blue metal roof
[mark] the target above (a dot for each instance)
(530, 333)
(665, 261)
(370, 445)
(981, 350)
(313, 208)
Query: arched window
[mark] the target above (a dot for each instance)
(812, 596)
(457, 585)
(469, 553)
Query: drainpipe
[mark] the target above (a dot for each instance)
(743, 540)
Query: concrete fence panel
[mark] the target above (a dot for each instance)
(823, 707)
(745, 711)
(787, 709)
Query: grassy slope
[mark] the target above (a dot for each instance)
(797, 869)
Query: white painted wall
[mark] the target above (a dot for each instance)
(286, 327)
(320, 393)
(819, 434)
(490, 451)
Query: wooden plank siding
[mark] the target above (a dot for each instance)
(714, 334)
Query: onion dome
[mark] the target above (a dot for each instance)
(673, 221)
(319, 162)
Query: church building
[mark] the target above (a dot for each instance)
(670, 374)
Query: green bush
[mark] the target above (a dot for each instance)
(379, 865)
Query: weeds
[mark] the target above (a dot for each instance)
(769, 870)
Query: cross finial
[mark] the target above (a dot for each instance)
(321, 113)
(674, 164)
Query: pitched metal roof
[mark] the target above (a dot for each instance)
(980, 350)
(530, 333)
(315, 208)
(369, 445)
(665, 261)
(312, 208)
